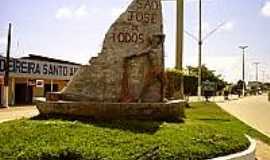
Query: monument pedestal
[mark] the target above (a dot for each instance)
(170, 111)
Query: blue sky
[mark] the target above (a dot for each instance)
(74, 30)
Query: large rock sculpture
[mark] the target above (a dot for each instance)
(126, 80)
(130, 66)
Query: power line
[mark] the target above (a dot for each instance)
(191, 36)
(207, 35)
(214, 31)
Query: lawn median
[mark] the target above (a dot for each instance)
(207, 132)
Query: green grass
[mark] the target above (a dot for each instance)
(206, 133)
(242, 127)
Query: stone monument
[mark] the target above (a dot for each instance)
(127, 76)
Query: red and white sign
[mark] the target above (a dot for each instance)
(39, 83)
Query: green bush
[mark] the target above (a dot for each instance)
(190, 82)
(174, 82)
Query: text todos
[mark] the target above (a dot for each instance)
(140, 17)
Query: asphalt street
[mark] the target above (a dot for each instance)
(254, 111)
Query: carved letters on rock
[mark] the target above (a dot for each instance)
(130, 66)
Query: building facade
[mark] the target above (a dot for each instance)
(34, 76)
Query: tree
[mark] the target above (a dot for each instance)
(208, 75)
(237, 89)
(191, 80)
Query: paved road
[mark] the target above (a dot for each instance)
(254, 111)
(17, 113)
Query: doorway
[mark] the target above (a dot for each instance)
(23, 94)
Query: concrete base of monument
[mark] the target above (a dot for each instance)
(170, 111)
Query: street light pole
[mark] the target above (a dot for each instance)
(243, 78)
(257, 74)
(179, 42)
(200, 51)
(263, 74)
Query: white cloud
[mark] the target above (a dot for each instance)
(64, 13)
(81, 11)
(228, 66)
(266, 9)
(68, 13)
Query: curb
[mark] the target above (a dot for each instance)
(248, 154)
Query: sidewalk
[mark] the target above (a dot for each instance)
(262, 151)
(17, 113)
(217, 99)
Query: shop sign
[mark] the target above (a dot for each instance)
(38, 68)
(209, 86)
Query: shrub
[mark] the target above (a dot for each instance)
(174, 83)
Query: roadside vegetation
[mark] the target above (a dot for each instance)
(207, 132)
(190, 79)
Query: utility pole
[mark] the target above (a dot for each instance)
(6, 78)
(200, 42)
(179, 41)
(243, 71)
(257, 67)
